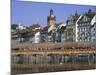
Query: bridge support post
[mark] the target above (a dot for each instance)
(90, 59)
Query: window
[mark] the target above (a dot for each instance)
(94, 34)
(88, 23)
(94, 29)
(85, 23)
(37, 36)
(80, 25)
(94, 40)
(85, 18)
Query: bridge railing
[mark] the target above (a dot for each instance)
(53, 46)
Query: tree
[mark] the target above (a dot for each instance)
(14, 26)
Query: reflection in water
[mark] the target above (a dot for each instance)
(54, 59)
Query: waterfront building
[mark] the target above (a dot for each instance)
(14, 37)
(71, 27)
(21, 27)
(17, 27)
(52, 33)
(32, 34)
(93, 29)
(83, 27)
(35, 37)
(44, 34)
(16, 33)
(61, 32)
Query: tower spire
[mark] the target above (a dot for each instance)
(89, 11)
(51, 12)
(51, 19)
(76, 14)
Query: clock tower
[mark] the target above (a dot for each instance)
(51, 19)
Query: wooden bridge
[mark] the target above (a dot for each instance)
(43, 57)
(53, 48)
(62, 52)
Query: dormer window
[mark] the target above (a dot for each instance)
(85, 18)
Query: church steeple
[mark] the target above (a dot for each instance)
(51, 12)
(51, 19)
(76, 14)
(89, 11)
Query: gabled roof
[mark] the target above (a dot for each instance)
(72, 17)
(93, 21)
(34, 26)
(31, 33)
(88, 15)
(61, 26)
(45, 29)
(52, 27)
(13, 33)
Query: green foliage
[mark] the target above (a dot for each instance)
(14, 26)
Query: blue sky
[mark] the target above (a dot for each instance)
(28, 13)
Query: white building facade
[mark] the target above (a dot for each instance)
(93, 29)
(37, 37)
(83, 27)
